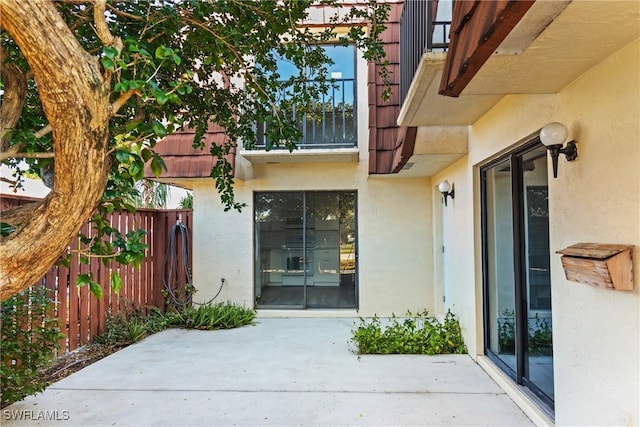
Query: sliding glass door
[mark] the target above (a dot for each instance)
(305, 250)
(517, 281)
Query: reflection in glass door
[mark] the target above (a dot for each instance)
(517, 281)
(305, 250)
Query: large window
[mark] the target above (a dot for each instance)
(517, 280)
(305, 249)
(332, 121)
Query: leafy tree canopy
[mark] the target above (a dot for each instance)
(90, 87)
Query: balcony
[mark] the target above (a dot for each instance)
(328, 130)
(332, 122)
(424, 27)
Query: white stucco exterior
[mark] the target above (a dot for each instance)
(395, 249)
(402, 227)
(596, 332)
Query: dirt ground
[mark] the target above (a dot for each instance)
(72, 362)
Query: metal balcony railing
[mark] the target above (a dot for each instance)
(331, 123)
(420, 32)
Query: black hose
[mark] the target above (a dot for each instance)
(176, 276)
(183, 271)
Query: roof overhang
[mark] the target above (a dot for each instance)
(549, 47)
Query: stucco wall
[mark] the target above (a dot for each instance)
(394, 237)
(594, 199)
(395, 249)
(457, 231)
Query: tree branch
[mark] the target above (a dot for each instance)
(13, 99)
(124, 14)
(123, 100)
(42, 132)
(8, 181)
(75, 99)
(102, 29)
(20, 214)
(14, 152)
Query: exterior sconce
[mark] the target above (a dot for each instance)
(447, 190)
(553, 136)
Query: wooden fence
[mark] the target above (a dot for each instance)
(81, 315)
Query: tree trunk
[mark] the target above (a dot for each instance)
(75, 97)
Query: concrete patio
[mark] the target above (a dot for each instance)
(280, 372)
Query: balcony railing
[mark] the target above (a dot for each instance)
(420, 32)
(331, 123)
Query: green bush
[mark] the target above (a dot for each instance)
(131, 327)
(124, 329)
(414, 334)
(29, 341)
(218, 316)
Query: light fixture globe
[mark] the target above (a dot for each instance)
(553, 134)
(447, 191)
(444, 186)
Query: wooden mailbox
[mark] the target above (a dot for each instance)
(604, 265)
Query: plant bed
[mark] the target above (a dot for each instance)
(123, 330)
(413, 334)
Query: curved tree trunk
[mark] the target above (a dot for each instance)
(75, 97)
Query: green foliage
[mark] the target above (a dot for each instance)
(540, 340)
(161, 82)
(151, 194)
(186, 202)
(507, 333)
(217, 316)
(6, 229)
(539, 336)
(125, 328)
(29, 340)
(414, 334)
(133, 325)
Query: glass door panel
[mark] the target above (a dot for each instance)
(279, 249)
(305, 250)
(500, 270)
(538, 363)
(516, 268)
(329, 241)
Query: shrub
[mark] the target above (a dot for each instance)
(132, 327)
(29, 341)
(217, 316)
(122, 330)
(415, 334)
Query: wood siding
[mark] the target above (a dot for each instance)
(477, 29)
(184, 161)
(389, 146)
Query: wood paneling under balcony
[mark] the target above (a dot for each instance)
(477, 29)
(184, 161)
(387, 149)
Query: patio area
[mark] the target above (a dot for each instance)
(279, 372)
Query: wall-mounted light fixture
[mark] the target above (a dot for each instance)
(553, 136)
(447, 190)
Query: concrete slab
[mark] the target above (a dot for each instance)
(284, 372)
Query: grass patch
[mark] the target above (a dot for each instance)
(413, 334)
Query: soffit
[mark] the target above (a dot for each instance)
(551, 46)
(583, 34)
(330, 155)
